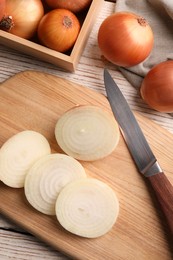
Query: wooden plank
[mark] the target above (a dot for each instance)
(33, 100)
(23, 246)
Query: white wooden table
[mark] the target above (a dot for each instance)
(16, 243)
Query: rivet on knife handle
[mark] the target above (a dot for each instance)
(139, 148)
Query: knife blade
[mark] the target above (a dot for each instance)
(139, 148)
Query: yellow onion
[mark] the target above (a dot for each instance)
(125, 39)
(2, 8)
(58, 30)
(157, 87)
(72, 5)
(21, 17)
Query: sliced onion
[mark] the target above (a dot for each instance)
(47, 177)
(87, 133)
(87, 208)
(18, 154)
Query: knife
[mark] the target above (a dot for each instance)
(142, 154)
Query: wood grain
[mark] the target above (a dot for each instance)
(16, 243)
(89, 71)
(68, 62)
(33, 100)
(164, 192)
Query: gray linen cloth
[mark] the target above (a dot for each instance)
(159, 14)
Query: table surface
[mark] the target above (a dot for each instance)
(16, 243)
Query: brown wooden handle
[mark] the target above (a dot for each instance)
(164, 193)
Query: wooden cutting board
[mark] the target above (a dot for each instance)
(33, 100)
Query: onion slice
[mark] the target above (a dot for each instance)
(47, 177)
(18, 154)
(87, 133)
(87, 208)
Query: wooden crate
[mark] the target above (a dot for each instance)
(66, 61)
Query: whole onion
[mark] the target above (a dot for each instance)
(59, 29)
(73, 5)
(125, 39)
(157, 87)
(2, 8)
(21, 17)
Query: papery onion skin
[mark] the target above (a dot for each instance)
(22, 17)
(2, 8)
(157, 87)
(72, 5)
(58, 30)
(125, 39)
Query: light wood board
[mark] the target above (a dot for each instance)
(34, 100)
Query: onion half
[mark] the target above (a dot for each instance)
(18, 154)
(47, 177)
(87, 133)
(87, 208)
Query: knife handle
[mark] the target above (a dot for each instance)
(164, 193)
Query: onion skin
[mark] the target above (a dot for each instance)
(157, 87)
(59, 29)
(2, 8)
(73, 5)
(22, 17)
(125, 39)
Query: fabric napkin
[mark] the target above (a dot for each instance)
(159, 14)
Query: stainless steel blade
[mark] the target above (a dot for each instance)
(140, 150)
(135, 139)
